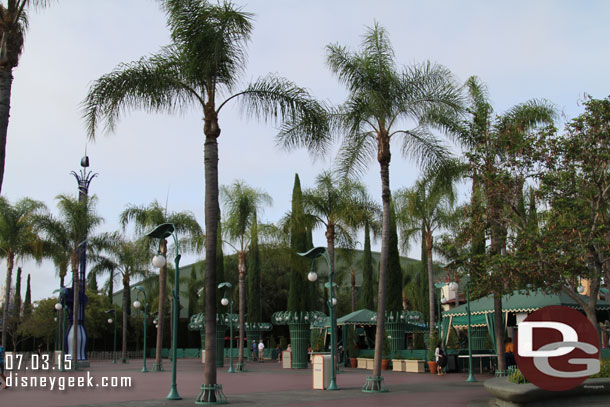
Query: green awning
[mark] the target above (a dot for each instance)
(462, 320)
(522, 301)
(360, 317)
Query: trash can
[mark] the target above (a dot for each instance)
(321, 371)
(286, 359)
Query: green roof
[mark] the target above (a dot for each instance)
(522, 301)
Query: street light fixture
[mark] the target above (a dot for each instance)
(61, 306)
(138, 305)
(229, 301)
(313, 254)
(110, 321)
(470, 371)
(163, 231)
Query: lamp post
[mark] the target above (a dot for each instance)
(138, 305)
(313, 254)
(163, 231)
(470, 371)
(113, 321)
(229, 301)
(61, 307)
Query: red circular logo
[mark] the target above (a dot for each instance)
(557, 348)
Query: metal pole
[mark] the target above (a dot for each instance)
(470, 372)
(231, 332)
(63, 340)
(173, 393)
(144, 370)
(333, 327)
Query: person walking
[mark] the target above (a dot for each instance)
(254, 348)
(261, 350)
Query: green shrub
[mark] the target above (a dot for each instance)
(432, 347)
(386, 350)
(604, 370)
(517, 377)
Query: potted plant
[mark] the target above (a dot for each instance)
(432, 353)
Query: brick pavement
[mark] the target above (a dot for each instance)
(264, 384)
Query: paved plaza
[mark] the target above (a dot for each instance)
(264, 384)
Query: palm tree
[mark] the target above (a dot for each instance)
(204, 60)
(79, 218)
(147, 217)
(13, 24)
(56, 245)
(487, 139)
(241, 204)
(19, 240)
(130, 259)
(425, 208)
(381, 98)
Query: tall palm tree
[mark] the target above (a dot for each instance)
(204, 61)
(381, 99)
(57, 245)
(425, 208)
(13, 24)
(19, 240)
(145, 218)
(130, 259)
(488, 138)
(80, 219)
(241, 205)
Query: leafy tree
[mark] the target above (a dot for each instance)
(19, 240)
(297, 293)
(571, 244)
(13, 24)
(145, 218)
(41, 323)
(242, 203)
(204, 61)
(27, 302)
(495, 151)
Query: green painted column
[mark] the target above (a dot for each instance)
(299, 338)
(396, 332)
(221, 329)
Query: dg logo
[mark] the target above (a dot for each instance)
(557, 348)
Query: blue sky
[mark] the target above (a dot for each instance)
(558, 50)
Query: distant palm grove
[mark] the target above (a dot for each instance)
(523, 205)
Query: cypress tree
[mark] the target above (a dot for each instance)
(110, 285)
(92, 285)
(254, 275)
(298, 291)
(422, 278)
(192, 292)
(367, 299)
(27, 303)
(17, 306)
(394, 288)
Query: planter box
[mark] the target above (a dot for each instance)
(415, 366)
(362, 363)
(369, 364)
(591, 391)
(398, 365)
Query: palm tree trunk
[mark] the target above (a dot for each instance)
(6, 83)
(125, 317)
(384, 163)
(242, 306)
(430, 282)
(212, 131)
(7, 295)
(161, 307)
